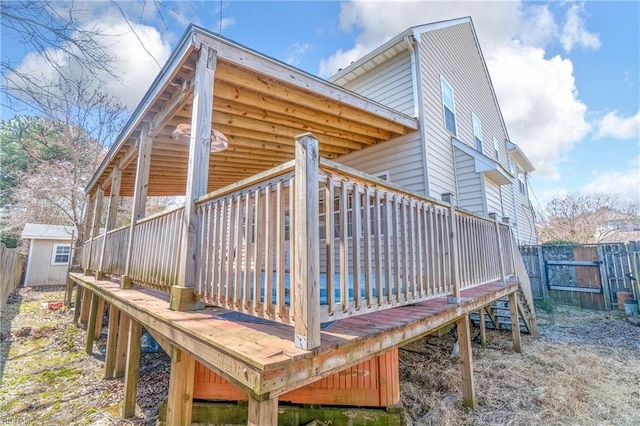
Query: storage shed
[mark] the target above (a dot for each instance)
(49, 252)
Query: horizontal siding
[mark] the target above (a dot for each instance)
(526, 220)
(468, 184)
(401, 157)
(451, 52)
(390, 84)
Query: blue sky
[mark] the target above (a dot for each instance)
(566, 73)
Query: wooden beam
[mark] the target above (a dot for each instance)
(85, 305)
(139, 197)
(466, 363)
(515, 323)
(525, 317)
(78, 303)
(453, 242)
(91, 325)
(181, 380)
(96, 221)
(114, 198)
(132, 370)
(263, 413)
(121, 348)
(492, 317)
(503, 275)
(112, 340)
(197, 176)
(483, 328)
(306, 244)
(180, 97)
(99, 315)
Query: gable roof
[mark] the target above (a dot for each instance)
(40, 231)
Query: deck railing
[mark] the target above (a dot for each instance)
(363, 245)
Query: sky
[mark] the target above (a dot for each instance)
(566, 73)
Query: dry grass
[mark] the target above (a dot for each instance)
(584, 369)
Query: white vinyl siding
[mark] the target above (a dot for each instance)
(494, 202)
(496, 150)
(448, 106)
(400, 158)
(390, 84)
(468, 183)
(477, 133)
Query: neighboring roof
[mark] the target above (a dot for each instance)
(39, 231)
(260, 105)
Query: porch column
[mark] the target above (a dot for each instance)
(466, 364)
(96, 221)
(453, 237)
(114, 197)
(143, 164)
(180, 399)
(503, 276)
(182, 295)
(306, 251)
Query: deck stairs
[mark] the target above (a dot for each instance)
(498, 317)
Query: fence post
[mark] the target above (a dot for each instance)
(306, 245)
(503, 277)
(604, 277)
(453, 237)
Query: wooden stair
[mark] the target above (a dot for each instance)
(498, 316)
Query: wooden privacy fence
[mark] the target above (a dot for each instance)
(587, 275)
(313, 241)
(10, 272)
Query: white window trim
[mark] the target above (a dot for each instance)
(474, 119)
(496, 149)
(54, 252)
(453, 99)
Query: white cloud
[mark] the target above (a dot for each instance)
(612, 125)
(537, 95)
(295, 53)
(624, 184)
(574, 32)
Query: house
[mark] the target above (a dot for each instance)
(436, 72)
(316, 237)
(49, 252)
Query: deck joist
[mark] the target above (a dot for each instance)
(261, 357)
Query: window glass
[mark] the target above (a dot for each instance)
(449, 106)
(496, 151)
(477, 132)
(61, 254)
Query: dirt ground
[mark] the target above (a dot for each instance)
(583, 369)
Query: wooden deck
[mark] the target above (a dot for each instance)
(261, 358)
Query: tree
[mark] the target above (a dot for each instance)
(586, 218)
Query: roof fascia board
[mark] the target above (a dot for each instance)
(519, 155)
(164, 76)
(420, 29)
(251, 59)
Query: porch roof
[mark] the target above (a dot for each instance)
(260, 104)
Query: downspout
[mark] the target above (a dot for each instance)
(418, 105)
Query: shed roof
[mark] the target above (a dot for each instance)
(40, 231)
(260, 104)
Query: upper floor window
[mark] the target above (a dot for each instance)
(496, 151)
(449, 106)
(61, 253)
(477, 133)
(522, 183)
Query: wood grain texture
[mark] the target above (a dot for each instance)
(466, 362)
(180, 388)
(132, 370)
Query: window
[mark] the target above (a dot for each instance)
(477, 133)
(496, 151)
(449, 106)
(521, 181)
(61, 254)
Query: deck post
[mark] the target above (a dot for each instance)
(263, 413)
(515, 322)
(182, 294)
(121, 345)
(306, 245)
(466, 364)
(453, 236)
(143, 163)
(133, 368)
(503, 276)
(91, 325)
(114, 197)
(77, 304)
(180, 399)
(96, 220)
(483, 327)
(112, 340)
(85, 305)
(88, 225)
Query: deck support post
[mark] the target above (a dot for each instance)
(182, 295)
(85, 305)
(96, 221)
(133, 367)
(114, 197)
(503, 276)
(121, 345)
(306, 244)
(112, 340)
(263, 413)
(466, 365)
(91, 325)
(515, 322)
(78, 303)
(483, 327)
(180, 399)
(143, 164)
(453, 237)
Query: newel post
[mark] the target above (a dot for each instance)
(183, 297)
(453, 236)
(306, 245)
(503, 276)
